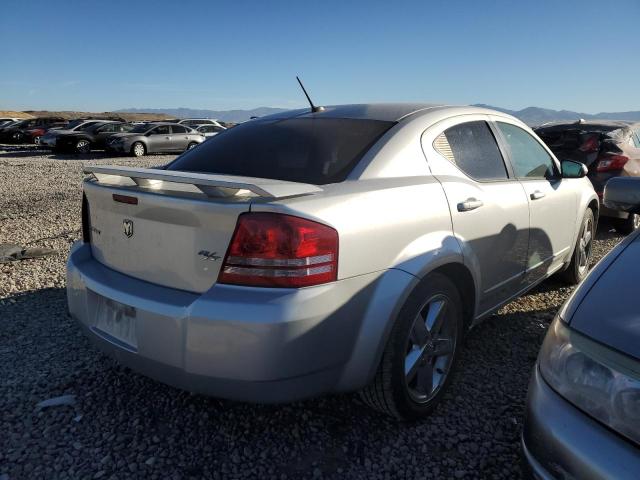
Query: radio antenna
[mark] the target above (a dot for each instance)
(314, 109)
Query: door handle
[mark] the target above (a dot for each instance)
(470, 204)
(168, 138)
(537, 195)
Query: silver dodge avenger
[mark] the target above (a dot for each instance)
(348, 248)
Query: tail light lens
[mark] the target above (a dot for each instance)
(613, 162)
(276, 250)
(86, 222)
(591, 144)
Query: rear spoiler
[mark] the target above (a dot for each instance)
(209, 184)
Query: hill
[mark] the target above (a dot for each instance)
(231, 116)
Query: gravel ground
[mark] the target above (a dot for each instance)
(123, 425)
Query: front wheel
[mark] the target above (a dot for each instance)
(421, 352)
(581, 259)
(192, 145)
(627, 225)
(83, 146)
(137, 149)
(36, 140)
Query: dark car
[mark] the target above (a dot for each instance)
(94, 137)
(16, 133)
(583, 407)
(608, 149)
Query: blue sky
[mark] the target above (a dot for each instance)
(102, 55)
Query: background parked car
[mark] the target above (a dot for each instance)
(155, 138)
(209, 130)
(4, 121)
(194, 122)
(33, 135)
(90, 138)
(50, 138)
(16, 133)
(608, 149)
(583, 407)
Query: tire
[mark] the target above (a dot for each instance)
(627, 225)
(432, 352)
(83, 146)
(579, 265)
(138, 149)
(36, 140)
(192, 145)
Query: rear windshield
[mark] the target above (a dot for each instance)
(308, 150)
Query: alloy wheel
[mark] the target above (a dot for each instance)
(36, 140)
(82, 146)
(430, 348)
(138, 150)
(584, 246)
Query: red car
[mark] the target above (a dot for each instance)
(33, 134)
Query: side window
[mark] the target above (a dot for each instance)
(106, 128)
(161, 130)
(529, 158)
(473, 149)
(636, 139)
(125, 127)
(178, 129)
(216, 129)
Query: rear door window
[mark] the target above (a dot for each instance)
(529, 159)
(178, 129)
(473, 149)
(161, 130)
(309, 150)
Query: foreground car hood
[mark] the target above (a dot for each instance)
(609, 310)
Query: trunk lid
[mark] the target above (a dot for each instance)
(170, 228)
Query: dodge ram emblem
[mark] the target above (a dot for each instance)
(127, 227)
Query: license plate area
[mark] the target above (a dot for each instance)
(115, 322)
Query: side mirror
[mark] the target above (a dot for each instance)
(571, 169)
(623, 193)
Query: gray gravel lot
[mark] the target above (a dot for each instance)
(123, 425)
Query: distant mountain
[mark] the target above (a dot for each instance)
(537, 116)
(530, 115)
(234, 116)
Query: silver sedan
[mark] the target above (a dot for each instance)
(348, 248)
(155, 138)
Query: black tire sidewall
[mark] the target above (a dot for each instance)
(431, 285)
(575, 275)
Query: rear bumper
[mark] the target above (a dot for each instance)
(559, 441)
(253, 344)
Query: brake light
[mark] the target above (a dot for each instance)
(590, 145)
(276, 250)
(613, 162)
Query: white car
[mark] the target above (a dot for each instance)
(194, 122)
(209, 130)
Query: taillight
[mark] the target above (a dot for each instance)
(86, 222)
(591, 144)
(612, 162)
(276, 250)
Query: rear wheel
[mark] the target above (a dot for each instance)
(421, 352)
(83, 146)
(137, 149)
(627, 225)
(579, 266)
(36, 140)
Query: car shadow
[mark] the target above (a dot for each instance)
(43, 354)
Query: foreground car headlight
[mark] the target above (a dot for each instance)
(600, 381)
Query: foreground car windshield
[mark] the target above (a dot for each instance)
(317, 151)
